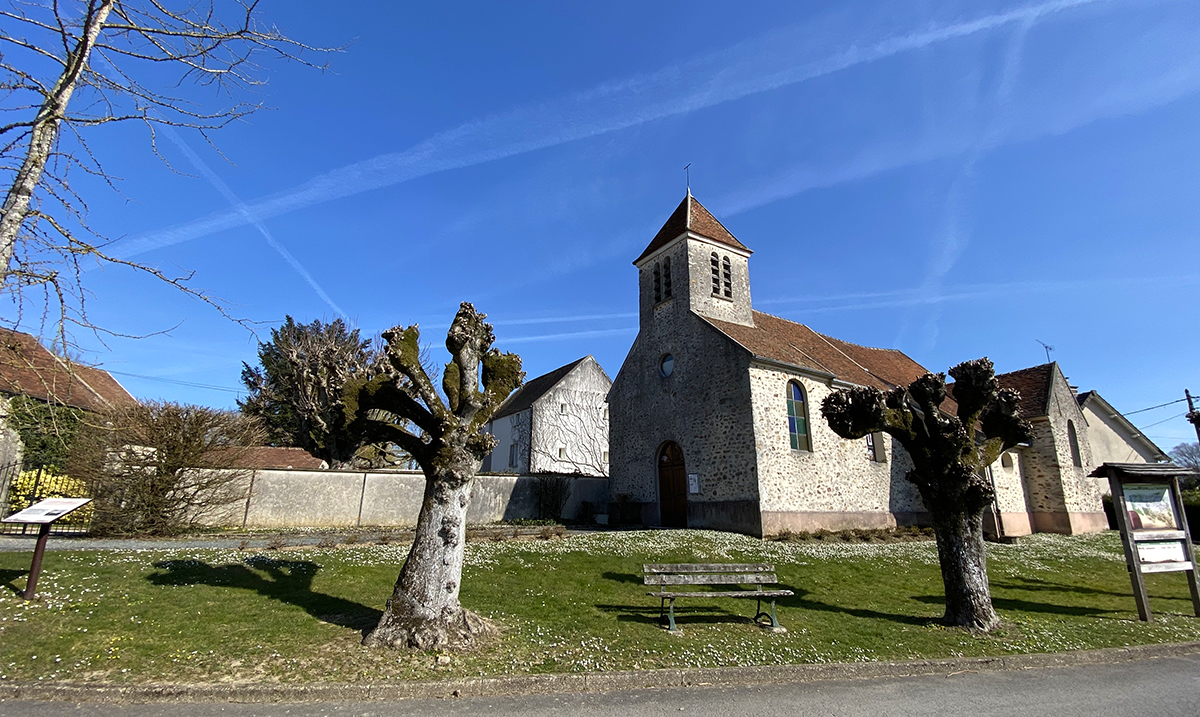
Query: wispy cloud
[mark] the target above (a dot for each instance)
(762, 65)
(565, 335)
(564, 319)
(920, 296)
(249, 216)
(1151, 71)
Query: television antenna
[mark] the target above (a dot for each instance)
(1046, 346)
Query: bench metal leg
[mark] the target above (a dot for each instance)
(671, 616)
(774, 623)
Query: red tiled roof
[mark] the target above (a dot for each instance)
(1034, 386)
(273, 457)
(795, 344)
(691, 216)
(26, 367)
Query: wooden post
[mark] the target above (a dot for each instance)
(1131, 552)
(36, 568)
(1193, 583)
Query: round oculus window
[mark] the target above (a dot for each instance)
(666, 365)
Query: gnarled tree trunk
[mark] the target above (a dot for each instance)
(949, 454)
(424, 612)
(963, 560)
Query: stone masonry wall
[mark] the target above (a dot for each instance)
(704, 406)
(837, 477)
(738, 309)
(1010, 492)
(1062, 498)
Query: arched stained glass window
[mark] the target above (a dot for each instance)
(797, 409)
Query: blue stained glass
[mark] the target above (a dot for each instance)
(791, 424)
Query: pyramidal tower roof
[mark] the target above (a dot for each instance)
(691, 216)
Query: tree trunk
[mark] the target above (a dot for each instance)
(423, 612)
(42, 136)
(964, 570)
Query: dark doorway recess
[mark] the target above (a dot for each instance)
(672, 486)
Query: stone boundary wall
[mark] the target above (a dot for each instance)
(348, 499)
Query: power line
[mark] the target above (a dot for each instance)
(190, 384)
(1161, 405)
(1172, 418)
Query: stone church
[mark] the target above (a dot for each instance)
(716, 414)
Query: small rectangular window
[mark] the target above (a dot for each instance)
(562, 454)
(875, 449)
(562, 408)
(606, 456)
(512, 456)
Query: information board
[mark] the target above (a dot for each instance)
(1148, 509)
(47, 511)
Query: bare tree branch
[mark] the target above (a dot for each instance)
(70, 67)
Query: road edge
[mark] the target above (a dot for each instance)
(574, 682)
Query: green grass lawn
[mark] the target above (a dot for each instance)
(565, 605)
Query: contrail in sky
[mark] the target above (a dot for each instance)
(747, 69)
(249, 217)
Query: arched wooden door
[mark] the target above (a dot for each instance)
(672, 486)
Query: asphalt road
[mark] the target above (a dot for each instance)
(1161, 687)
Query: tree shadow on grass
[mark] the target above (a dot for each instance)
(1015, 605)
(1018, 582)
(8, 576)
(288, 581)
(802, 601)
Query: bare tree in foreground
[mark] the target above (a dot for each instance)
(424, 611)
(949, 455)
(161, 468)
(69, 66)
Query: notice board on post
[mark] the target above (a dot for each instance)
(1154, 530)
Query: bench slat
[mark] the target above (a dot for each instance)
(732, 594)
(712, 579)
(657, 568)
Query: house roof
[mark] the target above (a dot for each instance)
(787, 342)
(1103, 408)
(691, 216)
(272, 457)
(533, 389)
(27, 368)
(1034, 386)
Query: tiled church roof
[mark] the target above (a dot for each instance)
(26, 367)
(795, 344)
(691, 216)
(1034, 386)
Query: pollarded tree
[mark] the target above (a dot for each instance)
(949, 455)
(424, 611)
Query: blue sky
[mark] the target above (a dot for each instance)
(953, 179)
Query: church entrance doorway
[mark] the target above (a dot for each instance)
(672, 486)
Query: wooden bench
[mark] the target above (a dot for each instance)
(673, 574)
